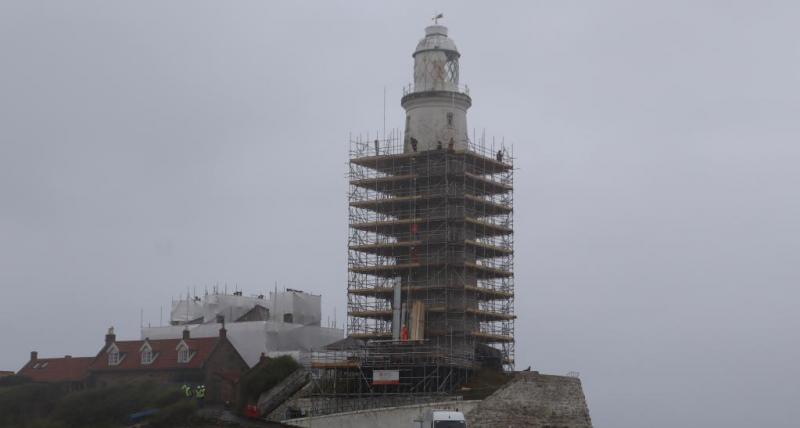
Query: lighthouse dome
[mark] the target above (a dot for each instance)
(436, 39)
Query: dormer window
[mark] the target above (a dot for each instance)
(184, 353)
(147, 354)
(113, 358)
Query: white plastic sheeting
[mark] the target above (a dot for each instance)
(293, 306)
(230, 307)
(251, 338)
(186, 311)
(305, 308)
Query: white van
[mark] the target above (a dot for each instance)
(443, 419)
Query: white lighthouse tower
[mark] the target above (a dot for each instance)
(431, 249)
(436, 106)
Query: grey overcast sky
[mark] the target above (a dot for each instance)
(151, 146)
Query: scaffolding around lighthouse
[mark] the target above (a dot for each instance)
(434, 229)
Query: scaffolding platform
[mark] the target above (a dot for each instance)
(434, 228)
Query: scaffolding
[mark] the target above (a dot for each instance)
(431, 246)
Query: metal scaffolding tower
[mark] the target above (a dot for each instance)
(431, 246)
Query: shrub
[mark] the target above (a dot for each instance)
(176, 414)
(41, 405)
(112, 405)
(263, 377)
(23, 403)
(14, 380)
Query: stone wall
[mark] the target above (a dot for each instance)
(387, 417)
(320, 406)
(534, 400)
(116, 378)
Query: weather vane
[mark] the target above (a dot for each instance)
(436, 18)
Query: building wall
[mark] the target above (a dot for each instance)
(387, 417)
(223, 365)
(178, 376)
(427, 120)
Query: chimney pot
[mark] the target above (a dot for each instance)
(34, 355)
(186, 333)
(67, 356)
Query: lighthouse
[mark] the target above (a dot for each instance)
(435, 104)
(430, 248)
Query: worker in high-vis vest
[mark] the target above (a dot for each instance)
(187, 390)
(200, 393)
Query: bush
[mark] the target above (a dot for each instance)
(175, 414)
(112, 405)
(263, 377)
(483, 383)
(41, 405)
(45, 423)
(14, 380)
(21, 404)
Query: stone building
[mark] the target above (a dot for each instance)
(211, 361)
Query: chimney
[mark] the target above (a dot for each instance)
(185, 333)
(110, 336)
(34, 355)
(262, 357)
(66, 357)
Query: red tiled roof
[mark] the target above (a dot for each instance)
(164, 350)
(56, 370)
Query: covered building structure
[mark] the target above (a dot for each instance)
(284, 322)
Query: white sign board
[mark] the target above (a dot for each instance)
(385, 377)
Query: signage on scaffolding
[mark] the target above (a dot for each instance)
(386, 377)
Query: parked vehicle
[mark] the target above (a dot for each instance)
(443, 419)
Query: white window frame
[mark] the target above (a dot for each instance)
(184, 353)
(147, 356)
(113, 357)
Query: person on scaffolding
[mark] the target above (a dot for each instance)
(404, 333)
(500, 155)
